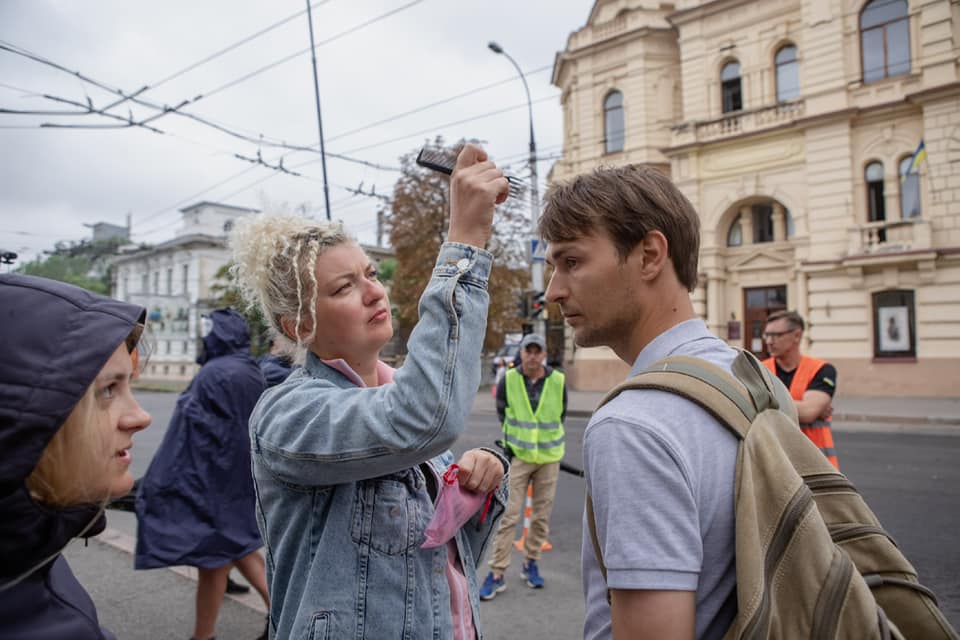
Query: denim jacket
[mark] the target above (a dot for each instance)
(342, 500)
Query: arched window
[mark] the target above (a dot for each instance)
(875, 206)
(730, 87)
(228, 226)
(884, 39)
(735, 234)
(788, 73)
(613, 128)
(909, 190)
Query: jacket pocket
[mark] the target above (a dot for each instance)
(384, 516)
(318, 626)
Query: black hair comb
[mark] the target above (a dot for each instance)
(441, 161)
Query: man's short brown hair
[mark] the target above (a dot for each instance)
(626, 203)
(794, 319)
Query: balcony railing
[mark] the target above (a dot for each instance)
(890, 236)
(609, 29)
(737, 123)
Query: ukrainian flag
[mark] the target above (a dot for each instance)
(918, 156)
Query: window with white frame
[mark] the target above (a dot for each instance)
(909, 190)
(788, 73)
(735, 234)
(732, 97)
(613, 122)
(876, 209)
(884, 39)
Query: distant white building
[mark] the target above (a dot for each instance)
(172, 280)
(103, 231)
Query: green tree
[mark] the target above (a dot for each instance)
(84, 264)
(417, 220)
(226, 294)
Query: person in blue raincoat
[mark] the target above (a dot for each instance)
(276, 365)
(196, 504)
(67, 419)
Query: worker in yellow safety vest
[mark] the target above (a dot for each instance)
(531, 405)
(812, 382)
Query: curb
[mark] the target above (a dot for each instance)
(859, 420)
(126, 544)
(931, 420)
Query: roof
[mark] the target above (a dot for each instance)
(219, 205)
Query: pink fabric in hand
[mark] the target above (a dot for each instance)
(455, 506)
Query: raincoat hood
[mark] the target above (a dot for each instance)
(54, 340)
(229, 334)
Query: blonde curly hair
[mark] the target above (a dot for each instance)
(274, 266)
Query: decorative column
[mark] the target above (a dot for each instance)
(746, 224)
(803, 304)
(779, 223)
(715, 315)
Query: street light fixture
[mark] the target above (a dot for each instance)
(536, 267)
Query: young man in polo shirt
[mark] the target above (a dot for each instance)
(623, 242)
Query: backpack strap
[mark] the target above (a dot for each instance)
(731, 401)
(734, 400)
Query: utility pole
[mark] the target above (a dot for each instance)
(316, 94)
(536, 265)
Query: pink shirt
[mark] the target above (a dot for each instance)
(460, 611)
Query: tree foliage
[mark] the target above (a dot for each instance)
(83, 264)
(226, 294)
(417, 222)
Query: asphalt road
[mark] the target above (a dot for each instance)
(912, 482)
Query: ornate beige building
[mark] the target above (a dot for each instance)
(793, 126)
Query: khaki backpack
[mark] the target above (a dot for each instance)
(812, 560)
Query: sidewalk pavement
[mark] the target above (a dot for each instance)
(854, 412)
(151, 605)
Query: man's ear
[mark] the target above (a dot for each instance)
(650, 255)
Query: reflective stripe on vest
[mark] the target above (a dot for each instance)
(818, 431)
(535, 437)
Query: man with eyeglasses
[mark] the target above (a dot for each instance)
(812, 382)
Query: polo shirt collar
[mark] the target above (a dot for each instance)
(669, 341)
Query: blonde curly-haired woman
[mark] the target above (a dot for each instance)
(348, 452)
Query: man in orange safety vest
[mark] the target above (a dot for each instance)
(812, 382)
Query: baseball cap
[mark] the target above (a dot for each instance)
(533, 338)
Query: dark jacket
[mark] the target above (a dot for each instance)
(196, 503)
(275, 369)
(54, 340)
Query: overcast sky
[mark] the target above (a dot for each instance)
(384, 59)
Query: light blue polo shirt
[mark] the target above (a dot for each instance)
(661, 473)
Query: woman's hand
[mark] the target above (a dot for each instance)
(480, 471)
(476, 187)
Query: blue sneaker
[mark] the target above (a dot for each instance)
(532, 574)
(492, 586)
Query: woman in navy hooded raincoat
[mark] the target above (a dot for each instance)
(196, 504)
(67, 418)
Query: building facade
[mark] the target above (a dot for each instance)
(173, 281)
(176, 282)
(819, 140)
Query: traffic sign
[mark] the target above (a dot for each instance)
(538, 251)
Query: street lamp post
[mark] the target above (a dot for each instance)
(536, 266)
